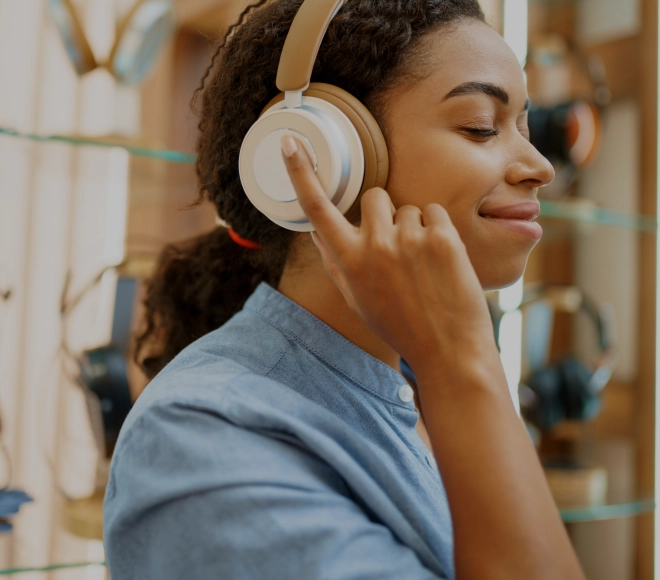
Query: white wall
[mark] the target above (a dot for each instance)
(54, 208)
(603, 20)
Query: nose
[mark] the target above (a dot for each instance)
(530, 167)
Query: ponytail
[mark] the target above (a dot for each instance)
(198, 285)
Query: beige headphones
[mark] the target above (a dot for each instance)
(140, 36)
(338, 132)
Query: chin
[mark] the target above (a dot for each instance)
(498, 274)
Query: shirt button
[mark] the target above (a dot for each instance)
(406, 393)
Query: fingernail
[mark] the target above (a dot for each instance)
(289, 145)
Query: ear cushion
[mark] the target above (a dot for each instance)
(580, 403)
(376, 158)
(547, 385)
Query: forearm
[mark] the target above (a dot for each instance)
(505, 521)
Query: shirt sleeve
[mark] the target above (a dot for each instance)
(193, 496)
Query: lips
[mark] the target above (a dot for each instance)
(527, 211)
(518, 218)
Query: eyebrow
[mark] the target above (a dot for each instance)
(489, 89)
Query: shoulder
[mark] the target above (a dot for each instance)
(178, 446)
(208, 419)
(234, 357)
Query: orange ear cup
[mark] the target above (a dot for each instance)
(583, 133)
(376, 159)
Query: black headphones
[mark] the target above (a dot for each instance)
(566, 389)
(103, 371)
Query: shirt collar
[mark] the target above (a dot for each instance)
(327, 344)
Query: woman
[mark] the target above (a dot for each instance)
(285, 443)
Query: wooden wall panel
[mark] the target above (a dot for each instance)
(645, 416)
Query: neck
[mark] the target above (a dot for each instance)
(305, 281)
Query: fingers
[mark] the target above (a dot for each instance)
(376, 210)
(435, 215)
(408, 216)
(332, 227)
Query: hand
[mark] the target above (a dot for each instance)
(404, 271)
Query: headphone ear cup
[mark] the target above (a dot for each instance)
(580, 403)
(374, 147)
(152, 21)
(548, 409)
(103, 371)
(72, 34)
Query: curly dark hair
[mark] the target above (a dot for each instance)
(370, 47)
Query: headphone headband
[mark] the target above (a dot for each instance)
(302, 43)
(569, 298)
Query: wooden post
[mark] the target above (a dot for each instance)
(645, 415)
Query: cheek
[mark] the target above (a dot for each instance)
(445, 169)
(458, 174)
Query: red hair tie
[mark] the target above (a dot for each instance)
(249, 244)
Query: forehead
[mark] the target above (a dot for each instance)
(471, 51)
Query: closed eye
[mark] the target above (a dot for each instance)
(481, 132)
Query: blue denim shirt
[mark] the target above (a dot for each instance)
(274, 448)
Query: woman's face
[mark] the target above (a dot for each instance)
(459, 138)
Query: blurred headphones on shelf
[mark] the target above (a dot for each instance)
(340, 135)
(141, 34)
(103, 371)
(566, 389)
(570, 132)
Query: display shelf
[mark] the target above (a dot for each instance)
(146, 188)
(49, 569)
(572, 515)
(586, 211)
(110, 142)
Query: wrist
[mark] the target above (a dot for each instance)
(462, 374)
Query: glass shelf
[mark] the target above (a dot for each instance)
(52, 568)
(583, 210)
(575, 210)
(607, 512)
(111, 142)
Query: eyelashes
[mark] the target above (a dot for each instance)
(491, 131)
(481, 132)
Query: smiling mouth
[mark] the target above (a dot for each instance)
(525, 226)
(525, 211)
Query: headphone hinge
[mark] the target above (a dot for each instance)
(293, 99)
